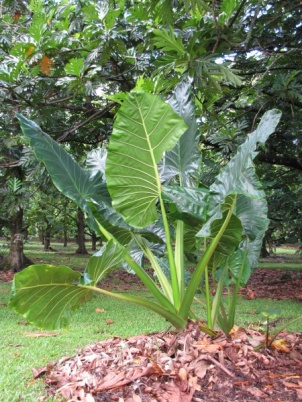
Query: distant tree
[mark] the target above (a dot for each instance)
(12, 210)
(51, 215)
(81, 233)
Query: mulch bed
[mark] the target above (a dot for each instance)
(181, 367)
(276, 284)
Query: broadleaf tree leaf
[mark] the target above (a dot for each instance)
(46, 295)
(167, 41)
(75, 66)
(144, 129)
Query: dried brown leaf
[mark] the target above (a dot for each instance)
(201, 369)
(171, 392)
(113, 380)
(293, 385)
(182, 374)
(256, 340)
(46, 65)
(41, 334)
(109, 322)
(208, 348)
(41, 371)
(280, 344)
(256, 392)
(238, 333)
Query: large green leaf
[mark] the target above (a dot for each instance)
(138, 254)
(239, 267)
(253, 216)
(96, 161)
(184, 159)
(72, 180)
(105, 215)
(144, 129)
(230, 239)
(104, 261)
(82, 186)
(238, 176)
(191, 204)
(46, 295)
(114, 223)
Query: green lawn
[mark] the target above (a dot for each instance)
(282, 265)
(19, 352)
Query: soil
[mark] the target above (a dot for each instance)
(190, 365)
(275, 284)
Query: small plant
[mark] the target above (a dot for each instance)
(273, 316)
(150, 203)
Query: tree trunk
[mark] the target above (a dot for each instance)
(81, 232)
(15, 260)
(41, 235)
(264, 253)
(25, 234)
(47, 241)
(65, 238)
(93, 241)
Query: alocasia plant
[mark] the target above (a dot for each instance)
(151, 200)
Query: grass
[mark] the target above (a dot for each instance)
(284, 265)
(20, 352)
(61, 256)
(250, 313)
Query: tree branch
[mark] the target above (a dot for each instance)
(237, 13)
(99, 113)
(281, 160)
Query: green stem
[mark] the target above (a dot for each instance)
(208, 298)
(179, 256)
(234, 297)
(178, 322)
(201, 266)
(217, 301)
(207, 291)
(140, 272)
(173, 271)
(163, 280)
